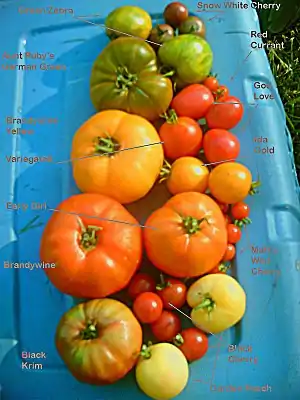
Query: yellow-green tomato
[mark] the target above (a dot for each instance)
(128, 19)
(218, 302)
(162, 371)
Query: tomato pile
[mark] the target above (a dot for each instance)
(162, 122)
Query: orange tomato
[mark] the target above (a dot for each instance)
(190, 236)
(113, 154)
(94, 256)
(230, 182)
(188, 174)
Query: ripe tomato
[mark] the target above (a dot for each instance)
(140, 283)
(220, 145)
(125, 176)
(147, 307)
(190, 238)
(193, 343)
(187, 174)
(230, 182)
(193, 101)
(182, 137)
(234, 234)
(166, 327)
(211, 83)
(175, 13)
(240, 210)
(225, 115)
(218, 302)
(221, 94)
(220, 269)
(99, 341)
(94, 256)
(229, 253)
(172, 291)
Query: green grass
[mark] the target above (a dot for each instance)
(285, 65)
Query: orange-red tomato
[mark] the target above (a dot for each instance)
(172, 291)
(221, 93)
(226, 115)
(140, 283)
(193, 343)
(147, 307)
(94, 256)
(212, 83)
(230, 182)
(166, 327)
(240, 211)
(99, 341)
(190, 236)
(230, 253)
(234, 233)
(220, 145)
(101, 163)
(188, 174)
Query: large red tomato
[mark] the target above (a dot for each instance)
(94, 255)
(190, 236)
(99, 341)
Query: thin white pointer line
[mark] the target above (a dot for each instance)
(115, 30)
(106, 154)
(186, 315)
(219, 162)
(99, 218)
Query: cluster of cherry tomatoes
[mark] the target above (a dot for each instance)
(153, 304)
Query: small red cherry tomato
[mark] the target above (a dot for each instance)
(220, 145)
(147, 307)
(225, 115)
(211, 83)
(240, 210)
(234, 233)
(193, 343)
(172, 291)
(140, 283)
(230, 252)
(166, 327)
(221, 94)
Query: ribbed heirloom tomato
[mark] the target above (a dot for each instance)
(99, 341)
(94, 256)
(190, 236)
(101, 163)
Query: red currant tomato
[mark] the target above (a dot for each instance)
(221, 94)
(140, 283)
(240, 211)
(182, 138)
(166, 327)
(220, 145)
(234, 233)
(147, 307)
(225, 115)
(230, 252)
(172, 291)
(193, 343)
(211, 83)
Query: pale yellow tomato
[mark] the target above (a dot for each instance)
(188, 174)
(162, 371)
(218, 302)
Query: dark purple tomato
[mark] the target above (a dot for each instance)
(175, 13)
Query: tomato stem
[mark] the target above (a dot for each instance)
(170, 116)
(107, 146)
(224, 267)
(178, 340)
(165, 171)
(88, 238)
(163, 283)
(125, 79)
(89, 332)
(193, 225)
(207, 304)
(254, 186)
(145, 351)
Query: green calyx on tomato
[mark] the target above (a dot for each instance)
(145, 351)
(190, 56)
(254, 187)
(192, 225)
(165, 171)
(163, 283)
(125, 79)
(242, 222)
(89, 332)
(207, 304)
(170, 116)
(178, 340)
(107, 146)
(88, 240)
(224, 267)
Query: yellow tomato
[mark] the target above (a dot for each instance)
(218, 302)
(162, 371)
(230, 182)
(188, 174)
